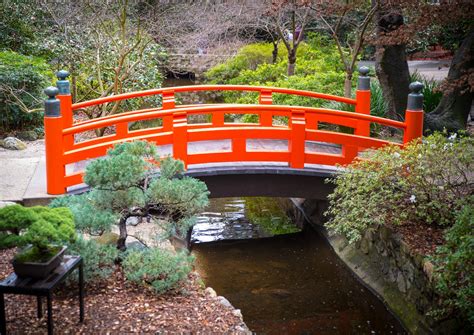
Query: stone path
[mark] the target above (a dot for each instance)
(430, 69)
(17, 169)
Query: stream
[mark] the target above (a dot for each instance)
(284, 280)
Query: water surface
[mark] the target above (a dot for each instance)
(289, 284)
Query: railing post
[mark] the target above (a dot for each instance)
(363, 101)
(265, 98)
(168, 102)
(297, 141)
(180, 136)
(65, 99)
(414, 113)
(53, 139)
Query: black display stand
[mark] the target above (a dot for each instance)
(42, 288)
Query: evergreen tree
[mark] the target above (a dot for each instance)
(132, 181)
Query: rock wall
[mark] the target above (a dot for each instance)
(400, 277)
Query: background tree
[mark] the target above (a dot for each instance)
(402, 21)
(391, 63)
(348, 23)
(117, 54)
(290, 18)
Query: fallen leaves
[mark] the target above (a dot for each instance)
(115, 306)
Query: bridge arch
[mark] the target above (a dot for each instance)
(292, 147)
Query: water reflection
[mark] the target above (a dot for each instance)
(243, 218)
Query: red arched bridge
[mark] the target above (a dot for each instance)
(229, 142)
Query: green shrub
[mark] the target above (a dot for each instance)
(54, 225)
(423, 184)
(160, 269)
(454, 267)
(318, 69)
(39, 226)
(248, 57)
(99, 259)
(22, 80)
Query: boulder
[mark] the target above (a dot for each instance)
(225, 302)
(27, 135)
(210, 292)
(12, 143)
(108, 238)
(135, 245)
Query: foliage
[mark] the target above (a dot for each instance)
(248, 57)
(19, 24)
(86, 217)
(423, 183)
(269, 214)
(127, 182)
(99, 259)
(163, 270)
(318, 70)
(22, 79)
(13, 220)
(54, 225)
(454, 266)
(38, 226)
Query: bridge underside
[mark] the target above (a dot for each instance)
(243, 179)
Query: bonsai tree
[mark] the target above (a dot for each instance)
(133, 181)
(45, 229)
(13, 220)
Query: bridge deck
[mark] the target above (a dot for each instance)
(36, 190)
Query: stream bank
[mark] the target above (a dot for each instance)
(384, 262)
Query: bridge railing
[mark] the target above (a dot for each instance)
(62, 149)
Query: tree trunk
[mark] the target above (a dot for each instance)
(348, 85)
(123, 233)
(455, 105)
(391, 65)
(275, 53)
(291, 62)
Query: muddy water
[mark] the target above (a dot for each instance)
(286, 284)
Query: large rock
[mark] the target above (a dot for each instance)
(108, 238)
(12, 143)
(27, 135)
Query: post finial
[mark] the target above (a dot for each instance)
(364, 71)
(415, 98)
(51, 104)
(416, 87)
(364, 80)
(63, 83)
(51, 92)
(62, 74)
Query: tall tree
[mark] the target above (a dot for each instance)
(348, 23)
(391, 63)
(392, 66)
(455, 105)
